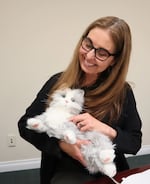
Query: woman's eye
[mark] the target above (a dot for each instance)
(102, 52)
(88, 45)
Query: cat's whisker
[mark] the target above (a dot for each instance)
(45, 101)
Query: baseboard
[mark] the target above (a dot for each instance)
(145, 150)
(18, 165)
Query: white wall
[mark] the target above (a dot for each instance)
(37, 39)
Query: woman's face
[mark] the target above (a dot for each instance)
(99, 38)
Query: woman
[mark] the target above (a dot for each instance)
(99, 66)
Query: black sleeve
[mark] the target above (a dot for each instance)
(129, 135)
(40, 140)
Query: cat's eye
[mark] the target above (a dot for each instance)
(63, 95)
(72, 99)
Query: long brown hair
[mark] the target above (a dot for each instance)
(107, 99)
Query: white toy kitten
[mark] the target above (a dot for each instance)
(99, 153)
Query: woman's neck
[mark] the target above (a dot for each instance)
(89, 80)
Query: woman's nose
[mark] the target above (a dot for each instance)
(91, 54)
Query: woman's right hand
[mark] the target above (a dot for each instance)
(73, 150)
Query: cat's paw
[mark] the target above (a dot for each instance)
(110, 169)
(69, 137)
(35, 124)
(107, 156)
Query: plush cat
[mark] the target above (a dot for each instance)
(98, 154)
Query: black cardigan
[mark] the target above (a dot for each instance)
(128, 129)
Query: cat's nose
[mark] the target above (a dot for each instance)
(66, 101)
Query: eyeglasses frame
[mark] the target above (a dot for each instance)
(95, 49)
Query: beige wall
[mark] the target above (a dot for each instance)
(37, 38)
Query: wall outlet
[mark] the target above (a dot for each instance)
(11, 140)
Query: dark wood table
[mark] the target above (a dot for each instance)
(119, 176)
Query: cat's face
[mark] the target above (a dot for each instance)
(69, 98)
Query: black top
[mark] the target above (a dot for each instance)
(128, 139)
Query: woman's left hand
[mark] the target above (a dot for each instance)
(86, 122)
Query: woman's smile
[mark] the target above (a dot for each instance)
(88, 64)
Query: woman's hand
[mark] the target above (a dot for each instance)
(73, 150)
(86, 122)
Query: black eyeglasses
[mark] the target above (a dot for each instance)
(100, 53)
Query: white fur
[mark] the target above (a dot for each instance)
(99, 153)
